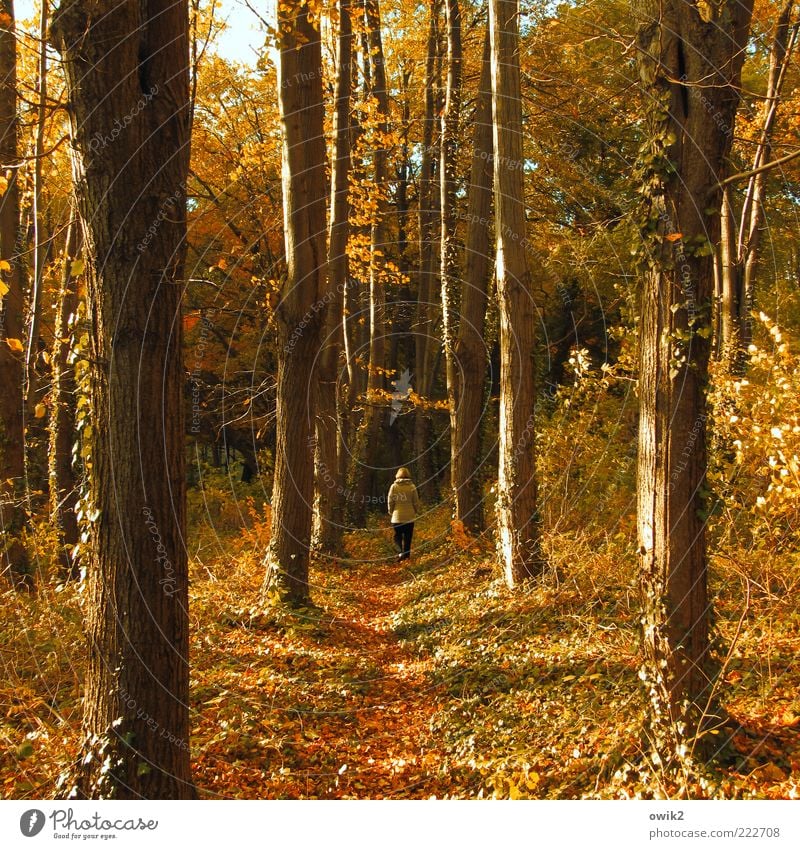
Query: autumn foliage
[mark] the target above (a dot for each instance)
(429, 678)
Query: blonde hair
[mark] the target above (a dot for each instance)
(402, 473)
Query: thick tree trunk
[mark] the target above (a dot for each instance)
(302, 308)
(14, 562)
(518, 525)
(690, 67)
(63, 483)
(449, 271)
(427, 214)
(329, 500)
(126, 65)
(470, 350)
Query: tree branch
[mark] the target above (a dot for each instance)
(744, 175)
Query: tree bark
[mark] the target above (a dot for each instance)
(368, 436)
(749, 243)
(328, 516)
(730, 338)
(470, 350)
(518, 525)
(63, 482)
(354, 326)
(403, 171)
(740, 251)
(126, 65)
(40, 243)
(427, 213)
(449, 271)
(689, 63)
(302, 307)
(14, 562)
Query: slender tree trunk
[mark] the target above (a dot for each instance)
(301, 311)
(368, 438)
(329, 482)
(783, 45)
(450, 272)
(427, 213)
(690, 63)
(40, 243)
(403, 171)
(404, 306)
(470, 350)
(355, 330)
(741, 251)
(519, 547)
(63, 483)
(126, 65)
(13, 518)
(731, 283)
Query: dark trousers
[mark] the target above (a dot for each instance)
(402, 539)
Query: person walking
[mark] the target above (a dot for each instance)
(403, 510)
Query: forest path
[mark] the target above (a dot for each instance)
(325, 702)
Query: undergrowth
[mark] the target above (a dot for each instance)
(429, 678)
(423, 679)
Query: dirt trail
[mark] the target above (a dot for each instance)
(394, 715)
(345, 706)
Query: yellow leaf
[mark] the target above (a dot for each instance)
(3, 289)
(5, 265)
(15, 345)
(76, 267)
(40, 411)
(772, 773)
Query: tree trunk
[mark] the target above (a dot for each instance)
(13, 518)
(40, 243)
(519, 547)
(368, 437)
(328, 516)
(355, 330)
(301, 311)
(403, 173)
(731, 283)
(740, 252)
(424, 338)
(689, 63)
(63, 483)
(470, 350)
(450, 275)
(749, 243)
(126, 65)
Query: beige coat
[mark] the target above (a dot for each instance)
(403, 501)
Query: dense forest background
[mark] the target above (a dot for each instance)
(545, 255)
